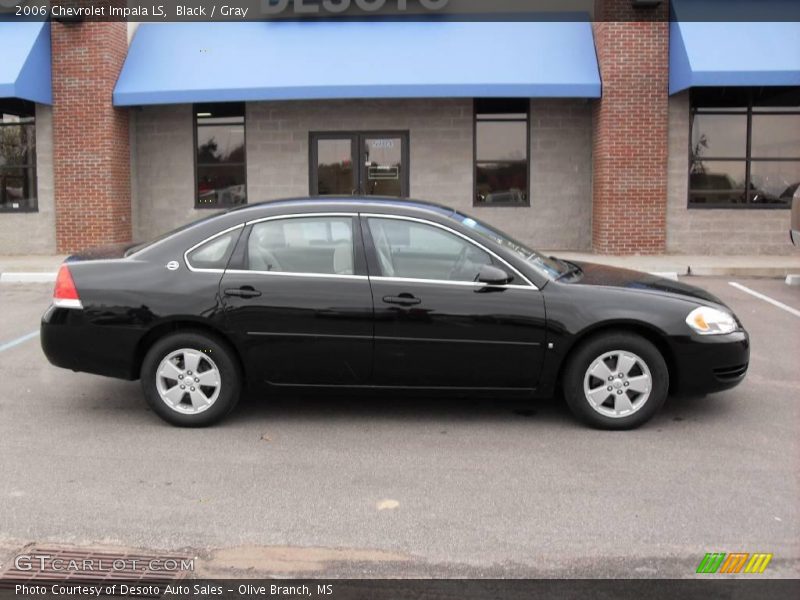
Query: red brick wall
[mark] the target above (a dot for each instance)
(90, 137)
(630, 130)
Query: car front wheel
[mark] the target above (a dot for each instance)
(191, 379)
(616, 381)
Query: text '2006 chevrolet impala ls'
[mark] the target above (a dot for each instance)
(382, 294)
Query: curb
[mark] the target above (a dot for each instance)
(27, 277)
(793, 280)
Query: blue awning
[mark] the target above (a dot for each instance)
(217, 62)
(733, 54)
(25, 62)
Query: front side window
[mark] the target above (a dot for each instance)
(745, 147)
(413, 250)
(220, 157)
(17, 156)
(501, 152)
(311, 245)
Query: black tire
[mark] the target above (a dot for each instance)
(230, 378)
(594, 348)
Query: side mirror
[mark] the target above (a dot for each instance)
(492, 275)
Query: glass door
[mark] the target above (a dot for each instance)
(334, 171)
(360, 163)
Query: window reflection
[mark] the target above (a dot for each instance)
(220, 158)
(760, 128)
(17, 155)
(335, 167)
(501, 152)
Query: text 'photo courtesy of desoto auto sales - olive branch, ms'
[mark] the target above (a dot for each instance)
(400, 299)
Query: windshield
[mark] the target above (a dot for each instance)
(549, 267)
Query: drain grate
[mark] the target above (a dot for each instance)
(64, 564)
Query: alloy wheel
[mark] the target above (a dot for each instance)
(617, 384)
(188, 381)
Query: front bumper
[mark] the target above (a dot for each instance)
(710, 363)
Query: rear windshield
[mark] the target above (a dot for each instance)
(144, 245)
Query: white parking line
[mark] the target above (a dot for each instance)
(18, 341)
(761, 296)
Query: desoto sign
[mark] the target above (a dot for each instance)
(316, 7)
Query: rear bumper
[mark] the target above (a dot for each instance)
(711, 363)
(70, 342)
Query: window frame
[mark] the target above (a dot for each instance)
(475, 161)
(243, 164)
(748, 111)
(33, 206)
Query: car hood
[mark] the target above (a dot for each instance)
(604, 275)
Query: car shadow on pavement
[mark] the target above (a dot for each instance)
(396, 406)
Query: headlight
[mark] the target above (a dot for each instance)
(710, 321)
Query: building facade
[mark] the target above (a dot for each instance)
(628, 135)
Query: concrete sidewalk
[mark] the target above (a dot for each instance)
(43, 268)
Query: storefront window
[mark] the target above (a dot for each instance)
(745, 147)
(220, 158)
(501, 152)
(17, 156)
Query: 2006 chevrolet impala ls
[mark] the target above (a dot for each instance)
(382, 294)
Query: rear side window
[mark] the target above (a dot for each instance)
(215, 253)
(313, 245)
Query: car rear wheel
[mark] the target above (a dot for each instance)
(191, 379)
(616, 381)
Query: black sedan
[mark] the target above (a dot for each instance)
(378, 295)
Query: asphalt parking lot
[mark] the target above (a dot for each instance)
(404, 487)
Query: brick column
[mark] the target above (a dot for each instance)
(90, 137)
(631, 129)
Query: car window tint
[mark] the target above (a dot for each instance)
(214, 254)
(418, 251)
(317, 245)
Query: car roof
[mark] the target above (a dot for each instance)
(355, 202)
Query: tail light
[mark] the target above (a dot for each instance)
(65, 294)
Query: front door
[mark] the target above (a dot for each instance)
(434, 325)
(297, 298)
(359, 164)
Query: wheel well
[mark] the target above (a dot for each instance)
(159, 331)
(648, 333)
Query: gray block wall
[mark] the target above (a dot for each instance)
(713, 231)
(35, 232)
(441, 169)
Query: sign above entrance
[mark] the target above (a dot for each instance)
(301, 8)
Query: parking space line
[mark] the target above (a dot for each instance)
(761, 296)
(19, 340)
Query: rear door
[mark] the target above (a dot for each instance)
(298, 300)
(434, 325)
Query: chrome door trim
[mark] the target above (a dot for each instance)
(296, 215)
(291, 274)
(472, 284)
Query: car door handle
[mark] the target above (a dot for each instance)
(402, 300)
(245, 291)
